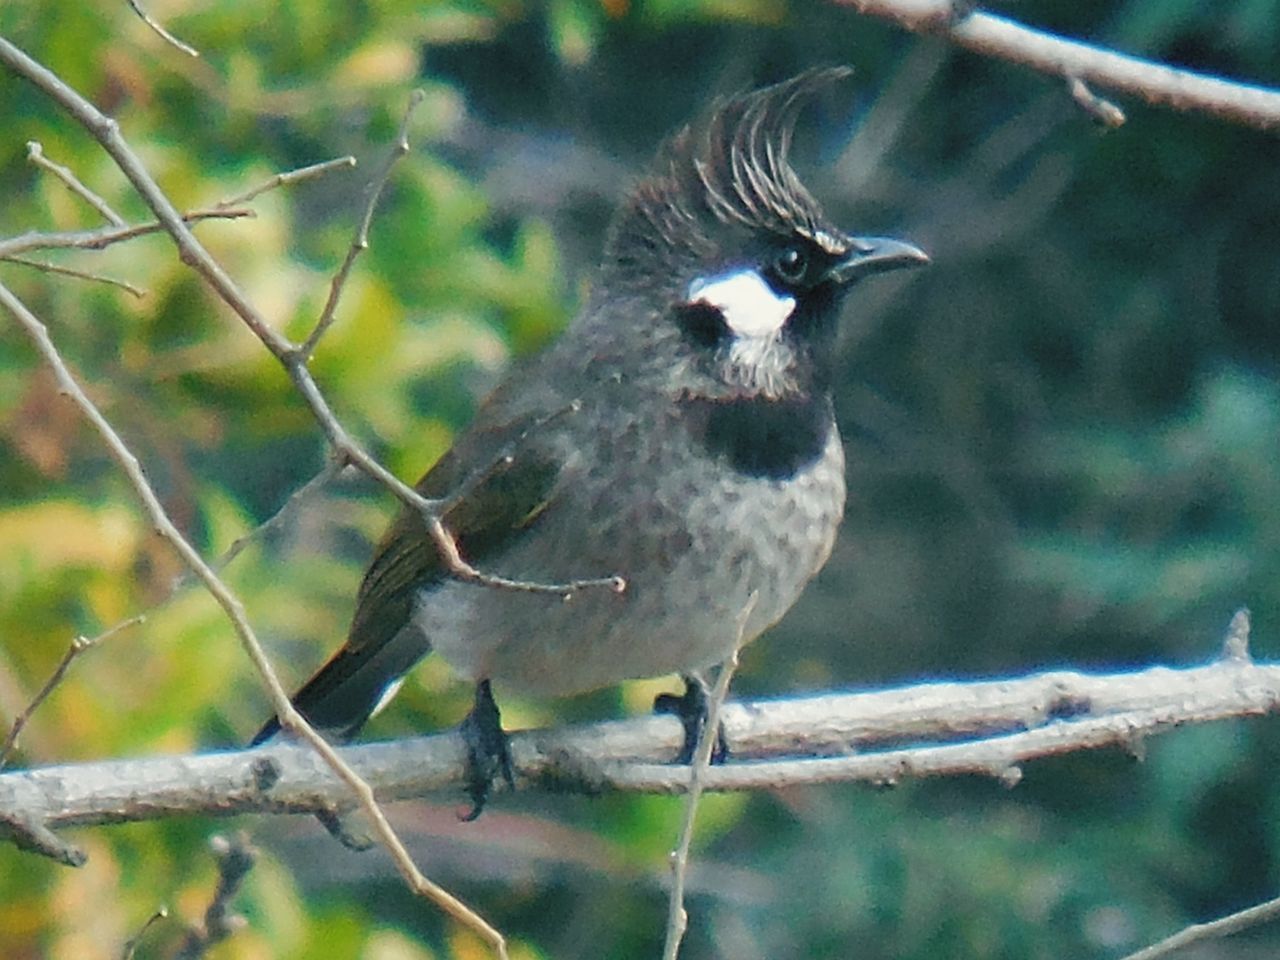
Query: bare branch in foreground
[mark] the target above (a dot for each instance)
(677, 915)
(289, 177)
(34, 832)
(107, 132)
(985, 728)
(1156, 83)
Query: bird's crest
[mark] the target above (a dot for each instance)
(731, 164)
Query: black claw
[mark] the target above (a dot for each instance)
(488, 750)
(691, 709)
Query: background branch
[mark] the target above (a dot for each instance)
(1156, 83)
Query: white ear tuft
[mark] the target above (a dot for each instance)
(750, 306)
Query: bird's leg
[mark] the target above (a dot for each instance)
(691, 709)
(488, 750)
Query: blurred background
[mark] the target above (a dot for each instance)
(1062, 444)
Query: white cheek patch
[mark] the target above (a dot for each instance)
(749, 305)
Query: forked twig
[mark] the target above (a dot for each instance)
(361, 241)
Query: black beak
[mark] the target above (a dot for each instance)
(868, 255)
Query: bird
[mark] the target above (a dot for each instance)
(678, 442)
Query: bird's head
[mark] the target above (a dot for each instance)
(723, 248)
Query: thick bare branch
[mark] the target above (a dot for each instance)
(1156, 83)
(996, 725)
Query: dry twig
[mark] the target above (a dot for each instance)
(131, 945)
(1232, 923)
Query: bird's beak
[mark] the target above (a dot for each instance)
(868, 255)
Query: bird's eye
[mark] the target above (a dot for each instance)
(792, 264)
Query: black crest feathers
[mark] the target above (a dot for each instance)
(731, 165)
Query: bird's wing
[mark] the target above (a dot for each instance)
(496, 481)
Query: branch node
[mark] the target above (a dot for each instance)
(1235, 645)
(1103, 111)
(31, 834)
(265, 773)
(1010, 776)
(340, 827)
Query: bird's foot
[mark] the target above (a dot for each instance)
(488, 750)
(691, 709)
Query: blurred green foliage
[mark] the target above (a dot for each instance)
(1062, 442)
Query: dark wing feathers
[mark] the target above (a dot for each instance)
(486, 509)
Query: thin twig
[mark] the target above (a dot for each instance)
(1232, 923)
(35, 155)
(232, 607)
(131, 945)
(460, 569)
(159, 29)
(361, 241)
(327, 474)
(45, 267)
(677, 915)
(77, 646)
(1156, 83)
(289, 177)
(103, 237)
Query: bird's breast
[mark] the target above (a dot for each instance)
(699, 507)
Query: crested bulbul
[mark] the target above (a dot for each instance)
(679, 435)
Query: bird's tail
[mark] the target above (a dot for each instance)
(346, 692)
